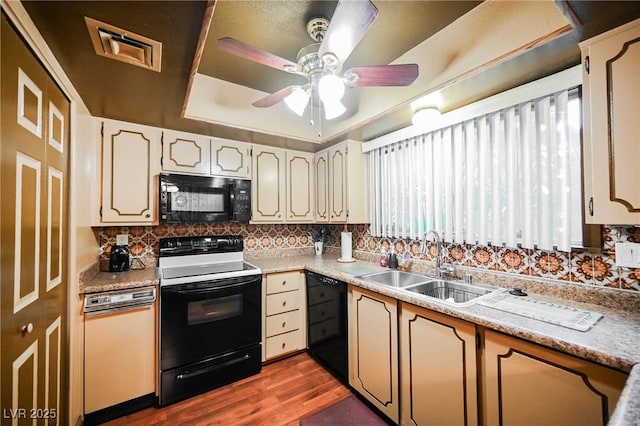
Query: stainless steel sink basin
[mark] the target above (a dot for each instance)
(452, 292)
(394, 278)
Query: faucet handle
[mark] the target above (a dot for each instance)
(446, 268)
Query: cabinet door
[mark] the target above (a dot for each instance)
(119, 354)
(300, 187)
(268, 185)
(185, 152)
(611, 81)
(230, 158)
(528, 384)
(373, 343)
(130, 160)
(338, 184)
(438, 369)
(321, 169)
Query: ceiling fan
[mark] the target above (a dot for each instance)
(321, 62)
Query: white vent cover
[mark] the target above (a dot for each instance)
(116, 43)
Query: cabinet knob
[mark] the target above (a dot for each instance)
(284, 282)
(284, 345)
(284, 303)
(147, 215)
(26, 329)
(284, 324)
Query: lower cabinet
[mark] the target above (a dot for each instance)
(452, 372)
(373, 343)
(284, 328)
(438, 369)
(527, 384)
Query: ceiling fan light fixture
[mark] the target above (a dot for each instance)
(333, 109)
(330, 88)
(425, 117)
(297, 101)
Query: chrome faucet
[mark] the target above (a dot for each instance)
(440, 268)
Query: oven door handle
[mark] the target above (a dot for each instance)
(190, 374)
(205, 290)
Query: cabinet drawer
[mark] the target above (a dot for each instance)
(285, 281)
(283, 343)
(324, 330)
(282, 323)
(322, 312)
(320, 294)
(283, 302)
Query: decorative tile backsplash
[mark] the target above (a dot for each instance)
(577, 266)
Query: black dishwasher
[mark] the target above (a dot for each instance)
(327, 323)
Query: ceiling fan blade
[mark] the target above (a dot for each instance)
(254, 54)
(349, 23)
(383, 75)
(273, 98)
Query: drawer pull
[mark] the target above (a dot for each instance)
(321, 294)
(284, 345)
(284, 303)
(284, 282)
(284, 324)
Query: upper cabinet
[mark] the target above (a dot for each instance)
(230, 158)
(268, 185)
(611, 82)
(130, 164)
(342, 184)
(282, 186)
(198, 154)
(300, 187)
(185, 152)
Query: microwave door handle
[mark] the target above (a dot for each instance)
(230, 202)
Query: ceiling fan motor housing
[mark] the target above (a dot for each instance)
(317, 27)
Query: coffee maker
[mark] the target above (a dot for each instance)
(119, 259)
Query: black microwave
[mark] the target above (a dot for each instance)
(203, 199)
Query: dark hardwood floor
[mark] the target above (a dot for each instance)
(283, 393)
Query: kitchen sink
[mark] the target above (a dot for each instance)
(460, 294)
(394, 278)
(451, 292)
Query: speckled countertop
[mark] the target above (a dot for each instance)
(614, 341)
(94, 281)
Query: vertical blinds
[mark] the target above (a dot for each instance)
(509, 178)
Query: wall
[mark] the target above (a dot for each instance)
(579, 266)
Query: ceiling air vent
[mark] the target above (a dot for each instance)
(125, 46)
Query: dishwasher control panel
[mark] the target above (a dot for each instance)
(111, 301)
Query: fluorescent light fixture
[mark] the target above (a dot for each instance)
(425, 117)
(297, 101)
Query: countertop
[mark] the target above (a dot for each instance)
(96, 282)
(614, 341)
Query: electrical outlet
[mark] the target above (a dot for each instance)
(122, 239)
(628, 255)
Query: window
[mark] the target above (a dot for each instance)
(511, 177)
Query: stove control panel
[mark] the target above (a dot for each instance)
(181, 246)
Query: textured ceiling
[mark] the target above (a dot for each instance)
(116, 90)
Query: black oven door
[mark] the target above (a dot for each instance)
(205, 319)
